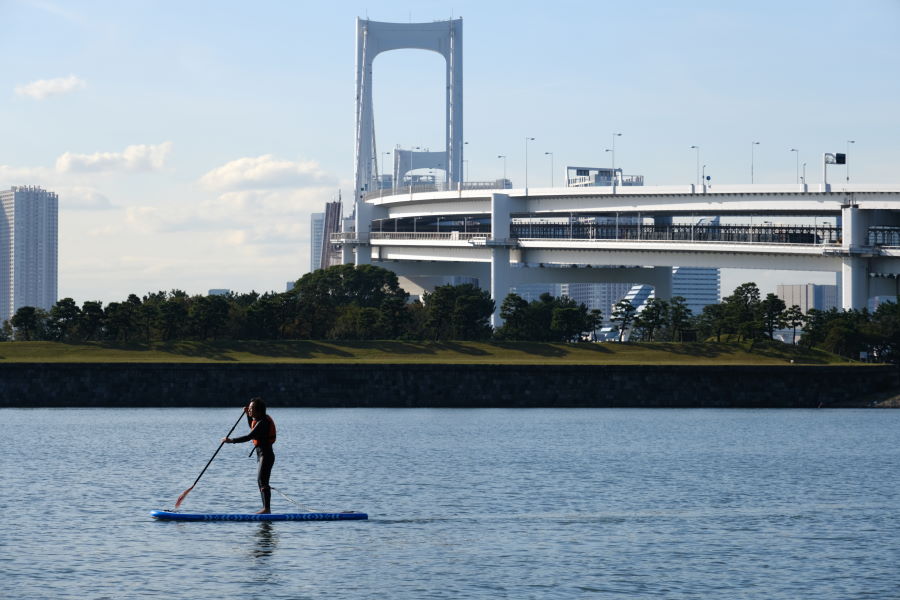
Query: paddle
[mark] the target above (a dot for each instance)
(188, 491)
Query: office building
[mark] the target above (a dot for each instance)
(533, 291)
(600, 296)
(316, 233)
(29, 231)
(331, 253)
(323, 253)
(698, 286)
(808, 295)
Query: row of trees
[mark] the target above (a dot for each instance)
(366, 302)
(343, 302)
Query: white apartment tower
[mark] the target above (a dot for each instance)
(29, 233)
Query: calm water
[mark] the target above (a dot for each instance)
(462, 504)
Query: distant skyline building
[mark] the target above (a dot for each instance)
(530, 292)
(600, 296)
(331, 253)
(29, 248)
(699, 286)
(322, 253)
(808, 295)
(316, 234)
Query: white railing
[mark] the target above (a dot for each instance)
(348, 236)
(427, 235)
(483, 238)
(634, 241)
(498, 184)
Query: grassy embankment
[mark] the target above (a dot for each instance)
(397, 352)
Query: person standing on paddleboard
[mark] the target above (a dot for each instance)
(262, 432)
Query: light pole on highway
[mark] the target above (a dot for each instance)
(551, 166)
(697, 148)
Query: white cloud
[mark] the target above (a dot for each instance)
(106, 230)
(24, 175)
(279, 233)
(143, 157)
(40, 89)
(251, 231)
(82, 198)
(270, 202)
(57, 11)
(265, 172)
(250, 212)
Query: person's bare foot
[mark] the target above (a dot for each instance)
(263, 511)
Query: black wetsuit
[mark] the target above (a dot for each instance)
(265, 457)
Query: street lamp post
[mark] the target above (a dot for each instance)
(465, 173)
(551, 167)
(614, 136)
(503, 156)
(527, 139)
(753, 146)
(412, 155)
(798, 163)
(697, 148)
(803, 178)
(847, 158)
(384, 162)
(703, 178)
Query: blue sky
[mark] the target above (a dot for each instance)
(189, 141)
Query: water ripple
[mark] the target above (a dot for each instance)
(462, 504)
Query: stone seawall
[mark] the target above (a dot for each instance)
(349, 385)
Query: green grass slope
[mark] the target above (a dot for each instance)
(399, 352)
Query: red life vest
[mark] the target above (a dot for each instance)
(271, 430)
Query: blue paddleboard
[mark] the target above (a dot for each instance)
(164, 515)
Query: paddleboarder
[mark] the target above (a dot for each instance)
(262, 432)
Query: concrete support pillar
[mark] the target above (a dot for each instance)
(500, 280)
(363, 224)
(363, 254)
(854, 227)
(500, 216)
(347, 255)
(854, 283)
(854, 272)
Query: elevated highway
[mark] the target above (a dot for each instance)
(630, 234)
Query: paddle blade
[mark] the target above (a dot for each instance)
(183, 496)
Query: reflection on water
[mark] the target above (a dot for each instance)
(266, 539)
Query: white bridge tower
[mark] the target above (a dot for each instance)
(373, 38)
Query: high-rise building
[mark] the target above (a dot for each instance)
(322, 253)
(29, 232)
(331, 223)
(316, 234)
(808, 295)
(533, 291)
(600, 296)
(698, 286)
